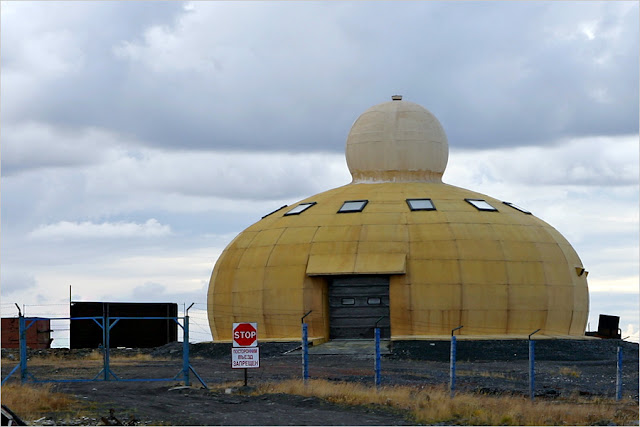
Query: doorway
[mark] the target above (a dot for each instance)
(355, 304)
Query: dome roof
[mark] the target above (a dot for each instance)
(448, 256)
(500, 272)
(397, 141)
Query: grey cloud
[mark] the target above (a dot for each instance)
(90, 29)
(591, 162)
(31, 145)
(496, 74)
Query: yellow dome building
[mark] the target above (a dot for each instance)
(399, 247)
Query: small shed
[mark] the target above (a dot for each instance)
(38, 335)
(133, 333)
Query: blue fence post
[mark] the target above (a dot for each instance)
(532, 372)
(185, 351)
(305, 349)
(23, 348)
(107, 345)
(452, 367)
(619, 375)
(104, 348)
(452, 363)
(305, 354)
(377, 359)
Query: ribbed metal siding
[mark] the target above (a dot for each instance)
(357, 320)
(38, 334)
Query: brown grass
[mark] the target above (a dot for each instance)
(569, 372)
(485, 374)
(30, 402)
(95, 358)
(433, 405)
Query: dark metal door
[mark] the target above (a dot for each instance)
(356, 303)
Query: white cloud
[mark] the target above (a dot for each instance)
(612, 283)
(88, 230)
(631, 333)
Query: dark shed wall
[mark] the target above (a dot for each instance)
(125, 333)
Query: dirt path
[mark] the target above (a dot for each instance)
(159, 404)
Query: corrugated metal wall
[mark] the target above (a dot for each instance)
(38, 335)
(126, 333)
(498, 273)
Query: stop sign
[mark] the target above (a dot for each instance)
(245, 334)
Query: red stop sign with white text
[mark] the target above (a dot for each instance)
(245, 335)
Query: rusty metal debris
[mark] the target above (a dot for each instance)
(9, 418)
(112, 420)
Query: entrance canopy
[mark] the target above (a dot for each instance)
(357, 263)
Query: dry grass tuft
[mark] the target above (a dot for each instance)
(569, 372)
(433, 405)
(95, 358)
(30, 402)
(484, 374)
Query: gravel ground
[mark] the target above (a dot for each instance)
(564, 368)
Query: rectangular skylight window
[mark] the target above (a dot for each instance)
(353, 206)
(481, 205)
(514, 206)
(300, 208)
(272, 212)
(421, 205)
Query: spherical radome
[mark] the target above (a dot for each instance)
(397, 141)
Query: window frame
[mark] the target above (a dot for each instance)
(432, 208)
(306, 205)
(274, 211)
(518, 208)
(364, 204)
(482, 209)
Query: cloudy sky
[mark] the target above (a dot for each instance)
(138, 138)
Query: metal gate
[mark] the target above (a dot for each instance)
(106, 374)
(356, 303)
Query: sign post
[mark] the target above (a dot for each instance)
(245, 353)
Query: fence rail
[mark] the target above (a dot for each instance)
(106, 373)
